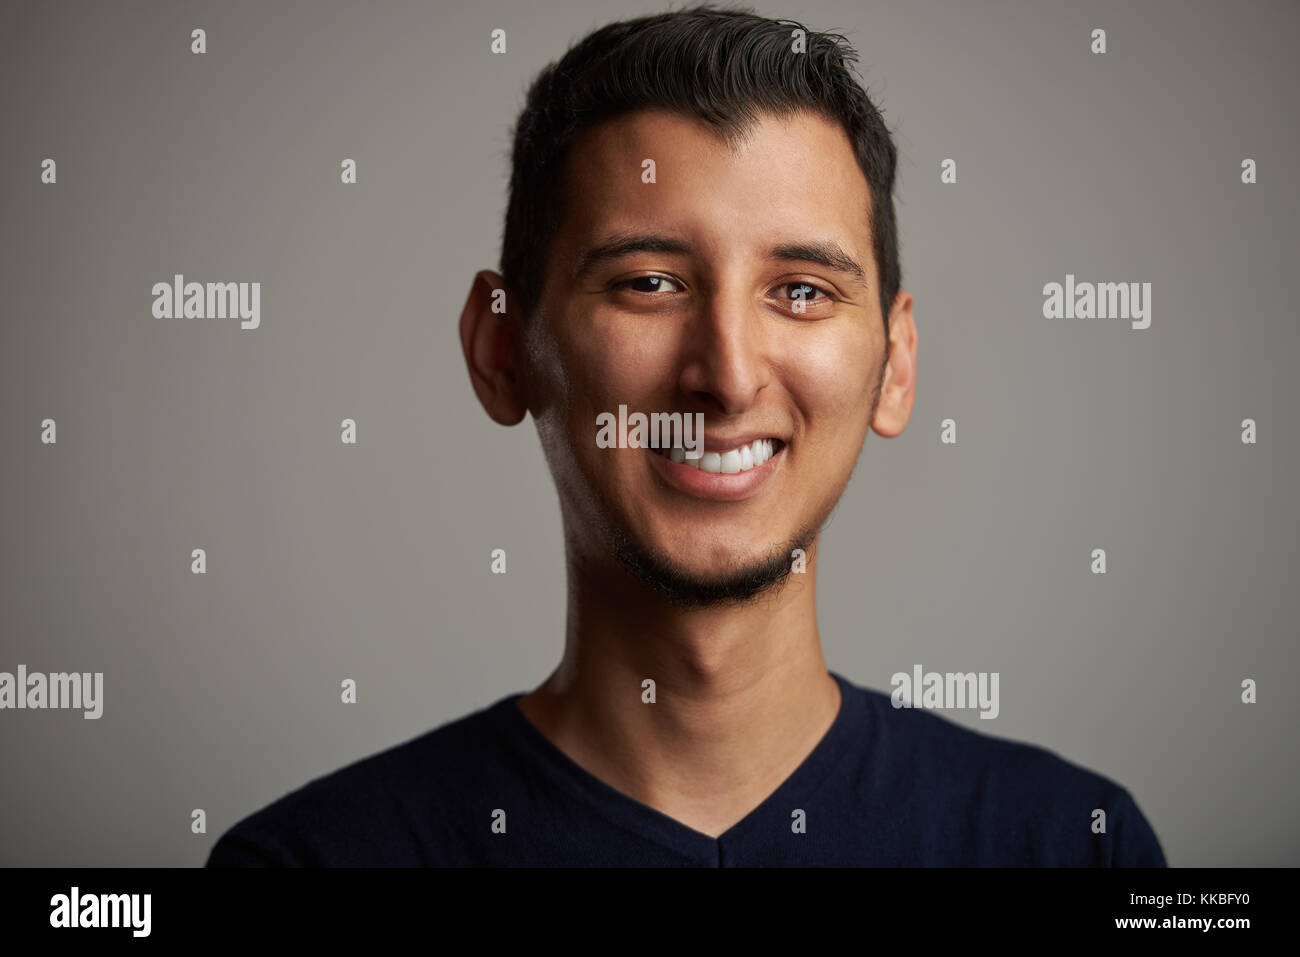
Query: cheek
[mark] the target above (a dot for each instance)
(832, 382)
(593, 370)
(618, 363)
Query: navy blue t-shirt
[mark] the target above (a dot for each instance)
(885, 786)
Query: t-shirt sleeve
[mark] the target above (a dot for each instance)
(244, 847)
(1136, 844)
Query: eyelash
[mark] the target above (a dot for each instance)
(827, 294)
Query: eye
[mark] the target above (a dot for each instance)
(805, 291)
(649, 284)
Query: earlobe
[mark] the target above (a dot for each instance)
(487, 338)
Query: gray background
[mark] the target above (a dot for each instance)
(327, 561)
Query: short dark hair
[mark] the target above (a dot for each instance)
(723, 66)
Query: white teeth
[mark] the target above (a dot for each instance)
(730, 462)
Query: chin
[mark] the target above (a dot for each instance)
(699, 571)
(711, 550)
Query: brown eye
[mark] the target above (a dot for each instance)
(648, 284)
(805, 291)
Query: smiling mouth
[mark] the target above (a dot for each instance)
(740, 459)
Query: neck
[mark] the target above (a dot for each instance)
(741, 694)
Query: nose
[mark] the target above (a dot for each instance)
(723, 364)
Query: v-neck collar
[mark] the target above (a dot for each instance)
(629, 813)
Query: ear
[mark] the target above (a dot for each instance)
(490, 341)
(898, 390)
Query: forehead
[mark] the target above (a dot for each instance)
(789, 178)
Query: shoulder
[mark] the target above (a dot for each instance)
(397, 806)
(1006, 802)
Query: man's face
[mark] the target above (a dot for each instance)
(713, 325)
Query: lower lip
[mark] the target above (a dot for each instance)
(716, 486)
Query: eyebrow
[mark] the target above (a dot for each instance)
(825, 252)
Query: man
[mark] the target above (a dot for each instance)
(700, 222)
